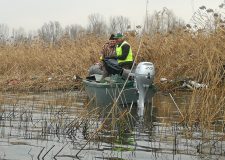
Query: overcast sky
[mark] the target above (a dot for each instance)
(32, 14)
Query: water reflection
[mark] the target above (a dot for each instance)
(58, 125)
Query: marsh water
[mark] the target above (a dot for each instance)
(61, 125)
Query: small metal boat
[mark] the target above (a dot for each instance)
(130, 87)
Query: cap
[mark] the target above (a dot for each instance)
(112, 37)
(118, 35)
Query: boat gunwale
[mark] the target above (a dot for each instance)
(130, 84)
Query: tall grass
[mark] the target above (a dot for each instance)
(182, 55)
(177, 55)
(39, 65)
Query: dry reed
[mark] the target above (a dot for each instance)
(177, 55)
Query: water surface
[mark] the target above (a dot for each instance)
(58, 125)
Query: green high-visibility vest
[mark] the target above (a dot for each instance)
(119, 53)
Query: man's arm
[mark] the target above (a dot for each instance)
(125, 52)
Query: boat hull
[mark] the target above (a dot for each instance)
(103, 94)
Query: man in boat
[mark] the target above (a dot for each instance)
(116, 56)
(124, 55)
(108, 50)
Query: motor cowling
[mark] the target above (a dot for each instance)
(144, 76)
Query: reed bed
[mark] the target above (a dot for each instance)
(178, 55)
(40, 66)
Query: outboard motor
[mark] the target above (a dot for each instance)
(144, 76)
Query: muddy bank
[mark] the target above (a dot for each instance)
(41, 84)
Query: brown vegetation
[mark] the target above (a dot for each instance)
(176, 55)
(39, 66)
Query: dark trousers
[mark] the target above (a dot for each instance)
(126, 65)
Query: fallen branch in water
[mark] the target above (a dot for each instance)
(176, 105)
(48, 151)
(60, 150)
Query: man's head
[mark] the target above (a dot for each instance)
(119, 37)
(112, 40)
(112, 37)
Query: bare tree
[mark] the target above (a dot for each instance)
(163, 21)
(4, 33)
(153, 24)
(19, 35)
(51, 32)
(207, 19)
(123, 24)
(119, 24)
(97, 24)
(31, 36)
(74, 31)
(113, 25)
